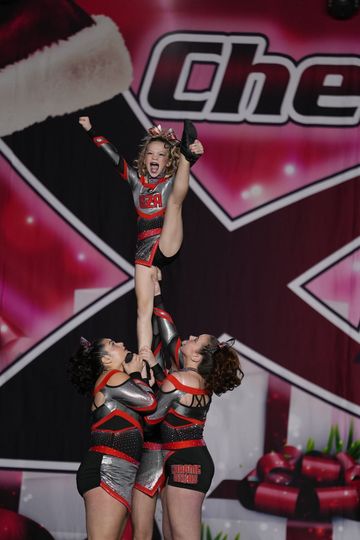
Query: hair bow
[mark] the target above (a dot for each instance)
(228, 343)
(85, 343)
(222, 345)
(157, 131)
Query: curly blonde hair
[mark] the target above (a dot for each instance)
(174, 155)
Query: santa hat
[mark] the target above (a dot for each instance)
(56, 59)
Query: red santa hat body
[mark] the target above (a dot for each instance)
(56, 59)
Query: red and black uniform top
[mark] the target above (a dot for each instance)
(117, 424)
(181, 426)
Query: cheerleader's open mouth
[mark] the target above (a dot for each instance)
(154, 168)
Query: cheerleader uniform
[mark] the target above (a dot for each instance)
(188, 462)
(150, 199)
(114, 455)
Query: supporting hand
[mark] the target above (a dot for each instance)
(197, 148)
(190, 146)
(147, 354)
(135, 365)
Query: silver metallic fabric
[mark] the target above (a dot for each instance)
(165, 400)
(118, 475)
(150, 475)
(130, 394)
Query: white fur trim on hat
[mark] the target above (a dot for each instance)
(91, 66)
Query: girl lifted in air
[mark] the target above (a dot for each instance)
(159, 181)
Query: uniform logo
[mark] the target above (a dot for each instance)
(186, 474)
(151, 201)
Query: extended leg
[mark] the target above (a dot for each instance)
(172, 233)
(188, 138)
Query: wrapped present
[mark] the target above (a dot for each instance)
(312, 485)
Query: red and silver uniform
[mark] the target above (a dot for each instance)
(166, 347)
(188, 463)
(150, 198)
(189, 432)
(116, 438)
(150, 476)
(170, 355)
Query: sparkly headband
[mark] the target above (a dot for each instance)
(169, 134)
(85, 343)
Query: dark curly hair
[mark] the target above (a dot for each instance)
(174, 155)
(85, 366)
(220, 367)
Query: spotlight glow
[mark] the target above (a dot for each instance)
(289, 169)
(256, 190)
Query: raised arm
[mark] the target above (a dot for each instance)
(130, 389)
(159, 366)
(170, 340)
(107, 147)
(166, 396)
(137, 395)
